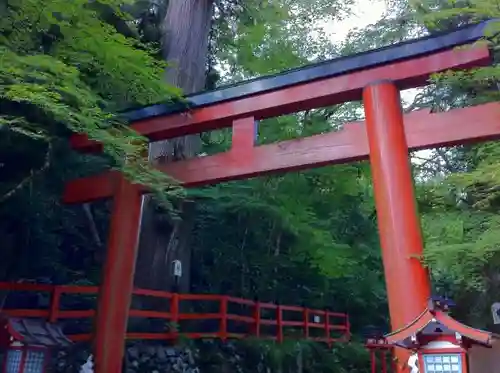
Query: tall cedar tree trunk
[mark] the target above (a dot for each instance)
(186, 31)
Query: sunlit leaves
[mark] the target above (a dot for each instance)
(63, 67)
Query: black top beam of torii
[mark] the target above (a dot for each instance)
(383, 56)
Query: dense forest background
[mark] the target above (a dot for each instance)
(308, 237)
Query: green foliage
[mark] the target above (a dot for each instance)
(64, 67)
(262, 37)
(460, 201)
(461, 244)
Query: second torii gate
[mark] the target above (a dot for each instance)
(385, 138)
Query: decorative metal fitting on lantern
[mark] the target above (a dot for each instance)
(25, 344)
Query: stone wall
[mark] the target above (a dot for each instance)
(147, 358)
(206, 356)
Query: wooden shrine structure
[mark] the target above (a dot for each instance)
(385, 138)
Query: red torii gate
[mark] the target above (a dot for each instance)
(385, 138)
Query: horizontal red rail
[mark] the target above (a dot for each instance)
(329, 326)
(423, 130)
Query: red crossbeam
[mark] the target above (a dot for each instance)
(423, 130)
(331, 91)
(332, 327)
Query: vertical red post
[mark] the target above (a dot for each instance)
(115, 292)
(174, 312)
(407, 281)
(54, 304)
(327, 329)
(347, 335)
(243, 134)
(279, 323)
(306, 322)
(243, 140)
(256, 317)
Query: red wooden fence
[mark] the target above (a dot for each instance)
(381, 358)
(284, 321)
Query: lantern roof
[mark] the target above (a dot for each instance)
(35, 332)
(435, 322)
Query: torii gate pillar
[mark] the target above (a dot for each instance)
(407, 281)
(118, 277)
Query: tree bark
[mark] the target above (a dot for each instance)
(186, 31)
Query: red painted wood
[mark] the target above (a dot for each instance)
(254, 322)
(279, 324)
(384, 361)
(54, 304)
(174, 311)
(223, 318)
(292, 308)
(174, 308)
(327, 327)
(200, 316)
(199, 297)
(331, 91)
(407, 280)
(243, 137)
(17, 286)
(423, 130)
(257, 319)
(347, 328)
(306, 323)
(118, 274)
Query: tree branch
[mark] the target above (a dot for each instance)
(92, 224)
(30, 177)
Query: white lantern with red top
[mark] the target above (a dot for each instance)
(439, 343)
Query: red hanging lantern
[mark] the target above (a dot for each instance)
(26, 344)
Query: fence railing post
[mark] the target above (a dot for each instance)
(223, 317)
(279, 323)
(327, 329)
(348, 327)
(306, 322)
(384, 361)
(256, 317)
(55, 299)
